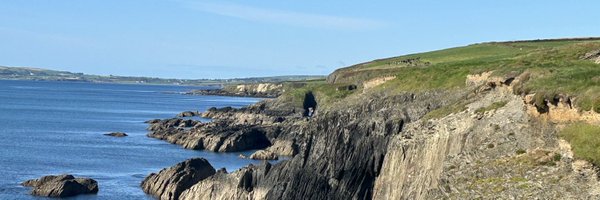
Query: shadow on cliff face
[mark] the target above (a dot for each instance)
(310, 104)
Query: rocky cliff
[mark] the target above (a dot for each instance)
(380, 148)
(478, 135)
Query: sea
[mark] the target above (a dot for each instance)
(49, 128)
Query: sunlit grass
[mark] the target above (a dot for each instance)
(585, 141)
(555, 67)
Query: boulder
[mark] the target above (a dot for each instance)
(170, 182)
(116, 134)
(188, 114)
(61, 186)
(264, 155)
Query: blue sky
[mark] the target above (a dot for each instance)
(223, 39)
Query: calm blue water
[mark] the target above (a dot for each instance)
(56, 127)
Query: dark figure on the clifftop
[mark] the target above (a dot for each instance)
(310, 104)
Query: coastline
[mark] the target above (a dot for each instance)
(59, 127)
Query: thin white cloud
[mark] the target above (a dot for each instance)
(293, 18)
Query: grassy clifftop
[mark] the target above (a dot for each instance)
(562, 66)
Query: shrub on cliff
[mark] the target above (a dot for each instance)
(585, 141)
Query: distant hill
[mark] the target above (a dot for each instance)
(26, 73)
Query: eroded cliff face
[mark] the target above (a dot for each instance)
(340, 152)
(505, 153)
(378, 146)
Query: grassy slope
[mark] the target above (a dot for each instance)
(555, 67)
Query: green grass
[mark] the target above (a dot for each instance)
(548, 68)
(324, 93)
(585, 141)
(494, 106)
(446, 110)
(554, 67)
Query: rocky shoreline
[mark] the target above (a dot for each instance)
(316, 144)
(221, 92)
(376, 146)
(231, 130)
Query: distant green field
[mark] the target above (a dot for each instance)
(25, 73)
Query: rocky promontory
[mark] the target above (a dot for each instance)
(231, 130)
(61, 186)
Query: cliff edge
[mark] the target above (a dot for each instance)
(513, 120)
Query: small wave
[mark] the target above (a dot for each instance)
(26, 87)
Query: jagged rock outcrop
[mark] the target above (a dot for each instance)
(257, 114)
(169, 183)
(264, 155)
(230, 130)
(218, 137)
(61, 186)
(239, 185)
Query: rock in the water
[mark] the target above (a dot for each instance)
(152, 121)
(61, 186)
(116, 134)
(188, 114)
(264, 155)
(169, 183)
